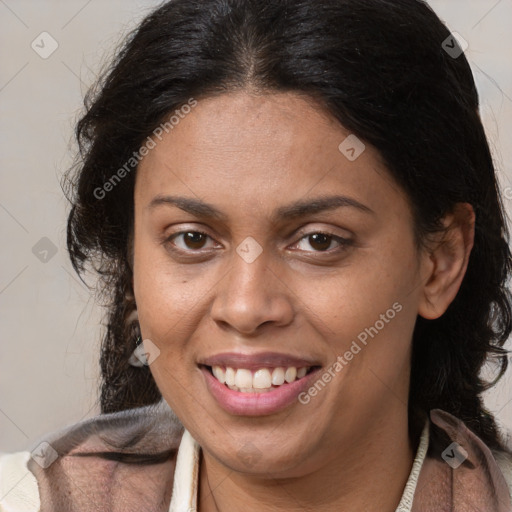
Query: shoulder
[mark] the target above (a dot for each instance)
(504, 461)
(123, 457)
(18, 486)
(485, 471)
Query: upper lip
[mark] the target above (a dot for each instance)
(255, 361)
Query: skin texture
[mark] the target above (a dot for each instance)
(247, 155)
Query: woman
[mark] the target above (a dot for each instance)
(293, 212)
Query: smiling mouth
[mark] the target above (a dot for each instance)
(261, 380)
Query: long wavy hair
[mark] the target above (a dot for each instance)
(380, 67)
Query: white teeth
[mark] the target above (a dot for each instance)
(278, 376)
(230, 376)
(290, 374)
(219, 373)
(262, 380)
(301, 372)
(243, 378)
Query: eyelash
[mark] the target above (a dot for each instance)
(344, 243)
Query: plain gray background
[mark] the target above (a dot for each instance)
(50, 326)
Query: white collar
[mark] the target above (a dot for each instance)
(186, 474)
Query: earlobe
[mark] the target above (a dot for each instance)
(446, 262)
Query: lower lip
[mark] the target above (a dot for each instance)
(257, 404)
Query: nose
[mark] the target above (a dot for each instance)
(251, 295)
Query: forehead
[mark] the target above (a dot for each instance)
(261, 149)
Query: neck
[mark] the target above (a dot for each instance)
(368, 474)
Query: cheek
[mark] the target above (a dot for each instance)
(366, 310)
(164, 293)
(355, 296)
(172, 302)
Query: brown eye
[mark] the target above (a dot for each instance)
(189, 241)
(194, 239)
(323, 242)
(320, 241)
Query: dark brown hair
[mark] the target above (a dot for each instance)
(379, 67)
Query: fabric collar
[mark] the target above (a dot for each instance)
(185, 487)
(126, 462)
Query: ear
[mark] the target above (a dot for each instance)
(445, 261)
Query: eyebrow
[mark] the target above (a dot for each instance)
(292, 211)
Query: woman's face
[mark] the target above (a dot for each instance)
(262, 247)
